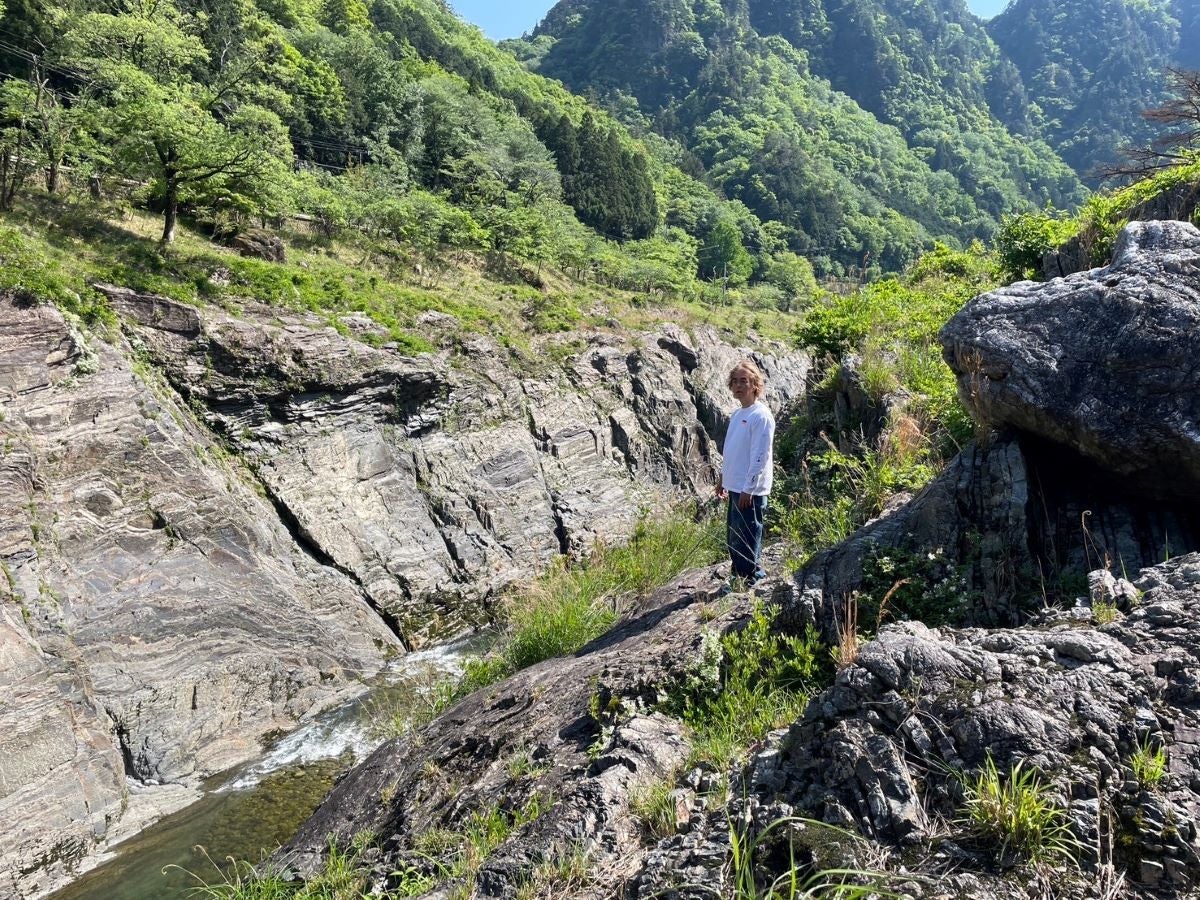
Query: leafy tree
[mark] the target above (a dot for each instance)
(189, 139)
(723, 258)
(16, 139)
(793, 275)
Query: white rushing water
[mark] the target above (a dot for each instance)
(351, 728)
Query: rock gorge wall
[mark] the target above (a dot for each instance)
(215, 525)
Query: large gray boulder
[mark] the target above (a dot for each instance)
(1101, 361)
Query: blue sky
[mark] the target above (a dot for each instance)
(510, 18)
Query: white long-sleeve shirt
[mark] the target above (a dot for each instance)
(747, 457)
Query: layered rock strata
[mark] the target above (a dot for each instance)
(158, 619)
(214, 525)
(436, 481)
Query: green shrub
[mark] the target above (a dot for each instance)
(1024, 238)
(763, 680)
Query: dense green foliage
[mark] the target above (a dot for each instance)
(393, 119)
(834, 482)
(1023, 239)
(863, 129)
(1090, 68)
(744, 684)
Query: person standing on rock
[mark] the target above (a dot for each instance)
(747, 461)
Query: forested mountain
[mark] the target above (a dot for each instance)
(1092, 67)
(863, 126)
(392, 117)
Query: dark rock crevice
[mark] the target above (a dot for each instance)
(305, 541)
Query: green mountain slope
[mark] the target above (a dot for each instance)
(1093, 67)
(391, 118)
(834, 118)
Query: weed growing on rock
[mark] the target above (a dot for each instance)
(561, 876)
(764, 681)
(1149, 764)
(798, 882)
(846, 652)
(654, 806)
(1105, 612)
(909, 584)
(1017, 813)
(523, 765)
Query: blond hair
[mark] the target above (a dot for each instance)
(750, 370)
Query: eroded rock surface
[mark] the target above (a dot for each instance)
(436, 481)
(877, 752)
(157, 617)
(884, 754)
(1103, 361)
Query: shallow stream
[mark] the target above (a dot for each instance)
(245, 814)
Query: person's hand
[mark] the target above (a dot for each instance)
(744, 500)
(721, 492)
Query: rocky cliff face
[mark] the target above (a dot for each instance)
(1074, 692)
(214, 525)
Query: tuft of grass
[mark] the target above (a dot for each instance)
(1017, 813)
(564, 876)
(797, 882)
(654, 806)
(845, 654)
(1149, 764)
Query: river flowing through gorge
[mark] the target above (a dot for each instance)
(246, 813)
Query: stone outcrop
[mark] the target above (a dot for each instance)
(586, 770)
(158, 618)
(436, 481)
(213, 525)
(884, 753)
(1102, 361)
(877, 753)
